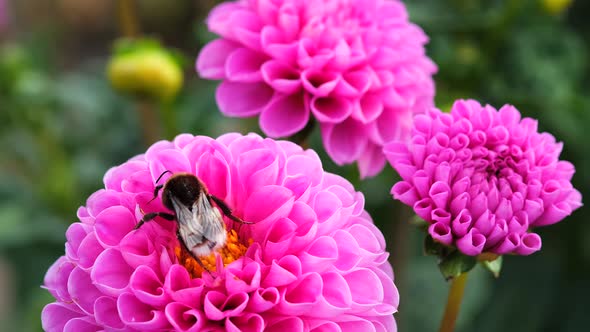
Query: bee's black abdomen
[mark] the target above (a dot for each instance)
(185, 187)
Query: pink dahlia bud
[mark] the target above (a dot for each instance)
(483, 178)
(358, 67)
(311, 260)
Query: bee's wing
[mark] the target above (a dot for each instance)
(202, 224)
(209, 218)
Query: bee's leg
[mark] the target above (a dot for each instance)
(156, 191)
(150, 216)
(191, 253)
(226, 210)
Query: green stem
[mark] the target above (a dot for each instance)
(128, 22)
(150, 125)
(169, 119)
(453, 303)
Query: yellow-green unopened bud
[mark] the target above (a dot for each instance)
(556, 7)
(146, 72)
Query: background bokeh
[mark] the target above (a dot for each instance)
(62, 126)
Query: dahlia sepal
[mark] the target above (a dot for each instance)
(456, 263)
(419, 222)
(432, 247)
(494, 266)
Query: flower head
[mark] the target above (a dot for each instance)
(483, 178)
(357, 66)
(311, 260)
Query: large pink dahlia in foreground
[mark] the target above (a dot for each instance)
(357, 66)
(483, 178)
(311, 261)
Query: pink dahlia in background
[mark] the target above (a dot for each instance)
(3, 15)
(483, 178)
(311, 261)
(357, 66)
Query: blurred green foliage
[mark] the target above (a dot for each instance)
(62, 127)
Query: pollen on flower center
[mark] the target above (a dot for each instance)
(232, 251)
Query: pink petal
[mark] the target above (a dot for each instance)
(217, 306)
(404, 192)
(354, 84)
(246, 323)
(116, 175)
(553, 213)
(423, 208)
(371, 161)
(322, 253)
(277, 200)
(462, 223)
(106, 314)
(81, 325)
(369, 107)
(263, 299)
(441, 215)
(472, 243)
(215, 173)
(284, 115)
(138, 249)
(243, 99)
(184, 318)
(258, 168)
(245, 279)
(365, 287)
(111, 273)
(212, 58)
(243, 65)
(56, 278)
(441, 232)
(148, 288)
(344, 141)
(331, 109)
(529, 243)
(290, 324)
(301, 296)
(56, 315)
(281, 77)
(336, 291)
(181, 288)
(113, 224)
(89, 250)
(139, 315)
(319, 83)
(282, 272)
(82, 291)
(510, 243)
(439, 193)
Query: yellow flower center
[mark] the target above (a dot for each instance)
(232, 251)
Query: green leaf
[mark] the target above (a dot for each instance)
(494, 266)
(456, 263)
(419, 222)
(432, 247)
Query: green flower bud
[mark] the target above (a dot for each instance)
(143, 68)
(555, 7)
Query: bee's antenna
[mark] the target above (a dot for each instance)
(160, 177)
(158, 187)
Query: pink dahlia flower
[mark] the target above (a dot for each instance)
(3, 15)
(483, 178)
(311, 261)
(358, 66)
